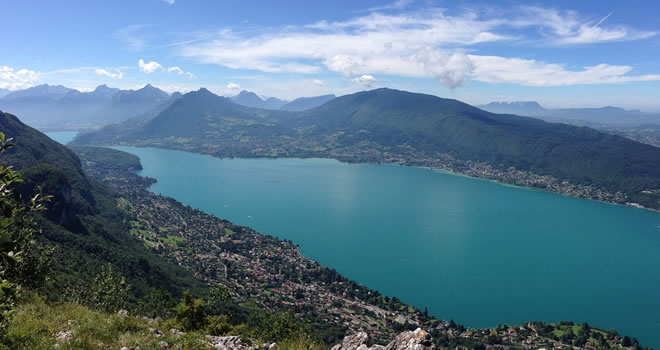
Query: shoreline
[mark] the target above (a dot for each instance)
(439, 168)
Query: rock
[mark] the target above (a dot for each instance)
(150, 320)
(412, 340)
(164, 345)
(157, 333)
(272, 346)
(177, 332)
(409, 340)
(125, 348)
(123, 313)
(231, 342)
(64, 336)
(353, 342)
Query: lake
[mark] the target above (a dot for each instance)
(471, 250)
(62, 137)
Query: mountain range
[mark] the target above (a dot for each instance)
(386, 125)
(250, 99)
(632, 124)
(604, 115)
(57, 107)
(305, 103)
(161, 246)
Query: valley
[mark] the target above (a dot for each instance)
(347, 175)
(377, 127)
(448, 236)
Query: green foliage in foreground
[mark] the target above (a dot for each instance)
(36, 325)
(22, 261)
(83, 222)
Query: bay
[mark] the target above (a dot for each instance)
(471, 250)
(62, 137)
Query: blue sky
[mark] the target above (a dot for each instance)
(560, 53)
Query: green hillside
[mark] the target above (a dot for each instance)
(431, 124)
(416, 129)
(83, 220)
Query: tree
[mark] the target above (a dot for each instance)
(158, 303)
(191, 312)
(22, 261)
(110, 290)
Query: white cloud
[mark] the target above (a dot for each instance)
(176, 70)
(397, 5)
(149, 67)
(117, 74)
(426, 43)
(171, 2)
(233, 86)
(16, 80)
(319, 82)
(451, 69)
(365, 45)
(175, 88)
(364, 80)
(568, 28)
(345, 64)
(494, 69)
(132, 36)
(179, 71)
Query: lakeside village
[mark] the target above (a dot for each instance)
(272, 272)
(443, 161)
(372, 152)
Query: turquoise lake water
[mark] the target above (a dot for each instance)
(471, 250)
(62, 137)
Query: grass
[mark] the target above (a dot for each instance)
(174, 240)
(35, 325)
(124, 204)
(558, 332)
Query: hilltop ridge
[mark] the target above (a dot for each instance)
(386, 125)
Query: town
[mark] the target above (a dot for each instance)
(273, 273)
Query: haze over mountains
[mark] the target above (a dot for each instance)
(605, 115)
(250, 99)
(60, 108)
(633, 124)
(56, 107)
(382, 124)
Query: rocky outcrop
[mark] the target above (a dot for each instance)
(226, 343)
(412, 340)
(64, 336)
(233, 342)
(353, 342)
(408, 340)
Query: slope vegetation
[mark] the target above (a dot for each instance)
(83, 220)
(392, 125)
